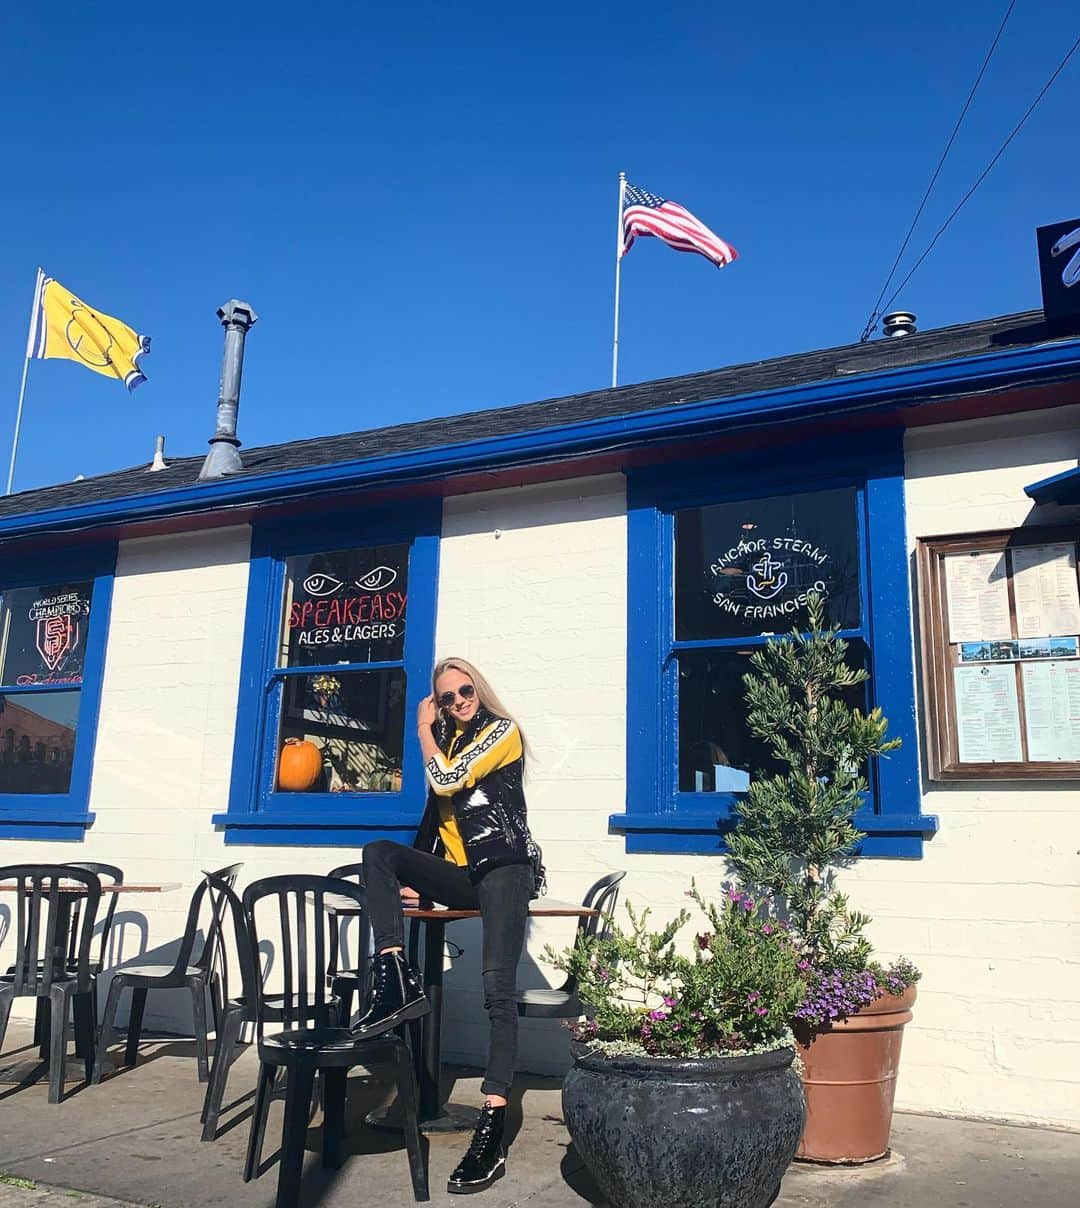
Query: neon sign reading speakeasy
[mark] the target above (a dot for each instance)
(369, 617)
(347, 606)
(765, 578)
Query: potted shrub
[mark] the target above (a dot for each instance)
(683, 1092)
(795, 830)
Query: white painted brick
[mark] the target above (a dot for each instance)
(990, 912)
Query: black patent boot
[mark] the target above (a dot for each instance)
(485, 1160)
(396, 997)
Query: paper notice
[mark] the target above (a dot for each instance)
(978, 590)
(1044, 582)
(987, 714)
(1052, 711)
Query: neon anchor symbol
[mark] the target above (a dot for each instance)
(765, 582)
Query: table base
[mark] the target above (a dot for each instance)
(452, 1118)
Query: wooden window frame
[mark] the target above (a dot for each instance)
(938, 656)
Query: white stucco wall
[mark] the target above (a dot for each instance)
(532, 587)
(992, 911)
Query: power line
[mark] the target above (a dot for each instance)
(875, 312)
(986, 171)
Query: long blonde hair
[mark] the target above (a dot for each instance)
(484, 692)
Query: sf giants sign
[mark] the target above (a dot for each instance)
(57, 627)
(57, 637)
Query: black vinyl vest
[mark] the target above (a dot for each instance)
(491, 815)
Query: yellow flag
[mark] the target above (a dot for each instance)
(65, 326)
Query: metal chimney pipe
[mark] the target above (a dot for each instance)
(236, 317)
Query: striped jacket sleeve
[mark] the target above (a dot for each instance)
(495, 746)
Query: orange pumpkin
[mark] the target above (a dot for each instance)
(299, 765)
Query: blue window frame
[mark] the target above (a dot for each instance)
(54, 624)
(677, 809)
(316, 666)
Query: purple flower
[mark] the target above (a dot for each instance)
(703, 941)
(658, 1015)
(733, 894)
(766, 930)
(761, 1010)
(835, 994)
(669, 1001)
(753, 996)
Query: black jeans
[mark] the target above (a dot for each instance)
(502, 897)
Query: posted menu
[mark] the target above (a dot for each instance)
(977, 586)
(1044, 582)
(987, 714)
(1052, 711)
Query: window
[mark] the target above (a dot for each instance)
(719, 562)
(338, 648)
(1000, 618)
(346, 608)
(744, 570)
(52, 641)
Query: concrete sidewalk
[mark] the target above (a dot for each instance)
(135, 1140)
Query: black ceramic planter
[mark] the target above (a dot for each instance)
(716, 1132)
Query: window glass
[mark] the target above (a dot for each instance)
(717, 752)
(342, 732)
(43, 632)
(37, 741)
(345, 606)
(746, 567)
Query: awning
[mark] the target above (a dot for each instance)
(1062, 488)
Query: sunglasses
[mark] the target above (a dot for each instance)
(466, 692)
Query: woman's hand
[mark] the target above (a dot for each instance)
(427, 712)
(408, 894)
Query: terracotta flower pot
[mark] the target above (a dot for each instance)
(849, 1074)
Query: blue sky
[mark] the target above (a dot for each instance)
(421, 203)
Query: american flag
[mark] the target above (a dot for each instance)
(646, 214)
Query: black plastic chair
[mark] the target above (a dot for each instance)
(197, 976)
(108, 874)
(235, 1011)
(251, 1005)
(43, 915)
(563, 1002)
(308, 940)
(344, 982)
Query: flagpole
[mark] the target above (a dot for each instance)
(618, 267)
(22, 384)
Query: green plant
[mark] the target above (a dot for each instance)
(737, 993)
(796, 828)
(13, 1180)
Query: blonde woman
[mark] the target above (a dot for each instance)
(473, 851)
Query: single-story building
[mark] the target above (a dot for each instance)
(609, 559)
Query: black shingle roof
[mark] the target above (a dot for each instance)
(944, 344)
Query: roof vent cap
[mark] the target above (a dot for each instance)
(159, 462)
(898, 323)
